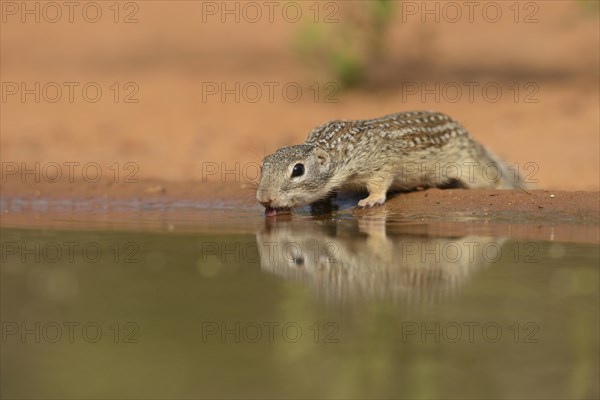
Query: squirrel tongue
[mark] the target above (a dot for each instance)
(270, 212)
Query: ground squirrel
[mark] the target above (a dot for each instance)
(402, 151)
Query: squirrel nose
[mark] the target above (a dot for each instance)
(266, 199)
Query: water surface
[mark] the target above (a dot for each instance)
(187, 302)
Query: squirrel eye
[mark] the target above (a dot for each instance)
(298, 170)
(299, 261)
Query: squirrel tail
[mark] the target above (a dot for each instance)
(491, 172)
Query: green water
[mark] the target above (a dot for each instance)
(329, 308)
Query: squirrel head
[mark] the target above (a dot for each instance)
(294, 176)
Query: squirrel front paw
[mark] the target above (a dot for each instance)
(372, 201)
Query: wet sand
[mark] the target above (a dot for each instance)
(536, 214)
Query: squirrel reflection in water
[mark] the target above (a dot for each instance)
(352, 261)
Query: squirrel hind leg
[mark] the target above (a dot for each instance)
(453, 184)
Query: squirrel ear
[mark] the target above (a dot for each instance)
(322, 156)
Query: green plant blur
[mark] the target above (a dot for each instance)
(345, 47)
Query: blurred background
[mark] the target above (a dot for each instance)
(157, 91)
(173, 85)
